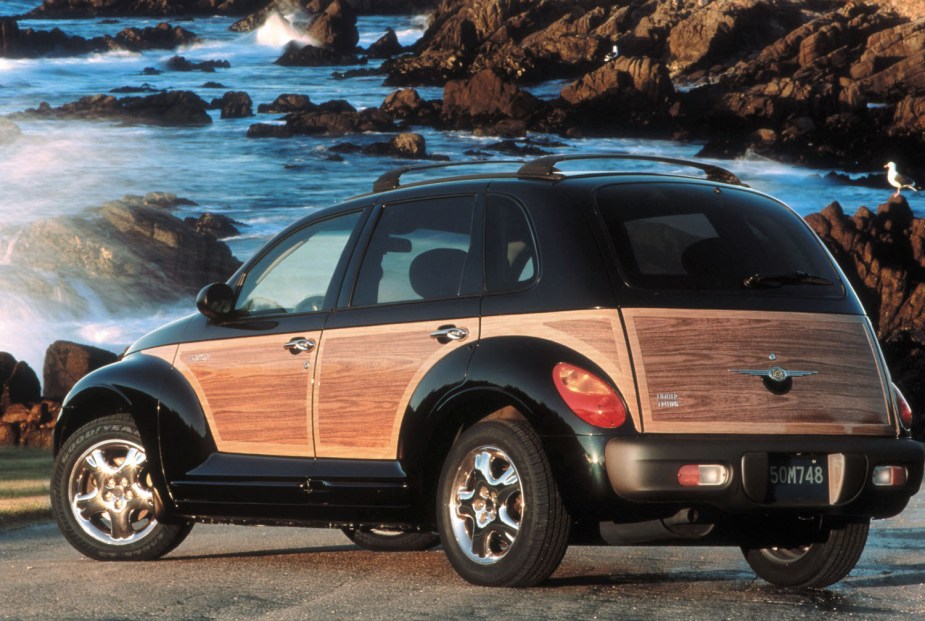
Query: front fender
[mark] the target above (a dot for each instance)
(162, 404)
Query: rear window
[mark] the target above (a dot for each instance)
(680, 236)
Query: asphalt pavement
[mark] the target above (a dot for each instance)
(233, 572)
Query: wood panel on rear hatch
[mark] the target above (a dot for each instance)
(691, 367)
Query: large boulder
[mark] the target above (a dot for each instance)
(298, 55)
(485, 98)
(129, 252)
(235, 105)
(67, 362)
(286, 103)
(722, 32)
(606, 85)
(883, 255)
(336, 27)
(18, 383)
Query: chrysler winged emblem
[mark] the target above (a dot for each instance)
(776, 379)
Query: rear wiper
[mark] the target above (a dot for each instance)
(758, 281)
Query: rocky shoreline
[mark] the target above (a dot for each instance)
(813, 82)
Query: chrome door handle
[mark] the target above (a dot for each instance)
(299, 344)
(445, 334)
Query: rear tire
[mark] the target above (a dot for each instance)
(101, 497)
(500, 516)
(384, 540)
(815, 565)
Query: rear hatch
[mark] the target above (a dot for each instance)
(737, 320)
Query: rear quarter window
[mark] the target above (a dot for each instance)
(699, 237)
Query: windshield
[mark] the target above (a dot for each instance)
(700, 237)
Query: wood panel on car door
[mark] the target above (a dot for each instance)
(366, 377)
(255, 394)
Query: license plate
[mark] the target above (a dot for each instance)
(798, 478)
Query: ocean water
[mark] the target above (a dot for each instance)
(64, 167)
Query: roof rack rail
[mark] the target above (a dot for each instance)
(390, 180)
(546, 165)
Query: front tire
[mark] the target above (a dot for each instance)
(101, 496)
(500, 517)
(815, 565)
(383, 540)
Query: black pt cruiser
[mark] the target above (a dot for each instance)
(507, 364)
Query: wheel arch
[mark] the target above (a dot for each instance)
(132, 386)
(510, 378)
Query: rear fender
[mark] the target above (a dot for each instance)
(511, 377)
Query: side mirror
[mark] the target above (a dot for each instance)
(216, 301)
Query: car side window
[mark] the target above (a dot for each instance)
(295, 275)
(418, 251)
(510, 249)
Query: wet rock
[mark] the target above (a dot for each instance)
(67, 362)
(409, 105)
(331, 118)
(30, 43)
(171, 108)
(127, 252)
(234, 105)
(883, 254)
(20, 385)
(179, 63)
(286, 103)
(386, 46)
(125, 90)
(214, 224)
(147, 8)
(406, 145)
(336, 27)
(298, 55)
(486, 98)
(268, 130)
(160, 37)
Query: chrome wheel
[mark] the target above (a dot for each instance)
(108, 496)
(785, 555)
(486, 505)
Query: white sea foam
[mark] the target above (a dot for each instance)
(278, 30)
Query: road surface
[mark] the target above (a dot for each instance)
(229, 572)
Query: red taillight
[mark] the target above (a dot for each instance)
(588, 396)
(905, 412)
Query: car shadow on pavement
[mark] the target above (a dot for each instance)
(347, 547)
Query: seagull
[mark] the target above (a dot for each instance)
(899, 180)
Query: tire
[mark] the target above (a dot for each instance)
(812, 566)
(383, 540)
(500, 516)
(100, 495)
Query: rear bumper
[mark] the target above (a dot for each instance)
(644, 469)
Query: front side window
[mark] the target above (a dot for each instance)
(685, 236)
(296, 274)
(419, 251)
